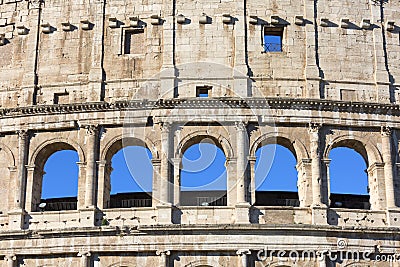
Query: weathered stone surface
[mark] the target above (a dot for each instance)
(128, 73)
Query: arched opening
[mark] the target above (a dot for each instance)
(128, 175)
(55, 185)
(203, 177)
(348, 178)
(275, 176)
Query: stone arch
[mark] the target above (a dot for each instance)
(373, 160)
(110, 149)
(194, 138)
(298, 150)
(47, 148)
(186, 142)
(119, 142)
(294, 145)
(365, 148)
(36, 169)
(9, 153)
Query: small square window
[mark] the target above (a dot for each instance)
(134, 41)
(203, 91)
(273, 39)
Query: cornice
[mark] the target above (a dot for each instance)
(211, 103)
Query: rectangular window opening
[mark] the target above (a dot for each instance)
(203, 91)
(134, 41)
(273, 39)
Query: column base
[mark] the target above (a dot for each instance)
(164, 214)
(16, 220)
(393, 217)
(242, 213)
(319, 214)
(89, 217)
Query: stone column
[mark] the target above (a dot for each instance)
(319, 210)
(156, 182)
(242, 152)
(303, 168)
(31, 200)
(326, 183)
(165, 208)
(242, 205)
(388, 167)
(91, 150)
(177, 181)
(101, 195)
(23, 138)
(163, 257)
(85, 258)
(252, 174)
(230, 165)
(315, 163)
(11, 260)
(242, 257)
(165, 164)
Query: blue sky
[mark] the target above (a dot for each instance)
(275, 170)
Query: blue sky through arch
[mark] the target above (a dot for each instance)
(132, 170)
(275, 169)
(203, 168)
(61, 175)
(347, 172)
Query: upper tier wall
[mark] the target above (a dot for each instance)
(327, 52)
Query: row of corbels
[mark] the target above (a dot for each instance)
(324, 22)
(48, 28)
(136, 22)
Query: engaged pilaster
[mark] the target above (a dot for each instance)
(386, 133)
(23, 138)
(165, 207)
(242, 205)
(91, 144)
(163, 257)
(85, 258)
(242, 257)
(319, 210)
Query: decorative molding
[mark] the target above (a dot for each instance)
(321, 105)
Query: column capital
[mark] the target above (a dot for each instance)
(240, 126)
(12, 168)
(243, 252)
(165, 126)
(11, 257)
(91, 129)
(84, 254)
(386, 131)
(314, 127)
(327, 161)
(23, 133)
(163, 252)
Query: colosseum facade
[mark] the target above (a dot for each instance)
(94, 76)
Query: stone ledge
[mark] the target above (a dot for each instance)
(211, 103)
